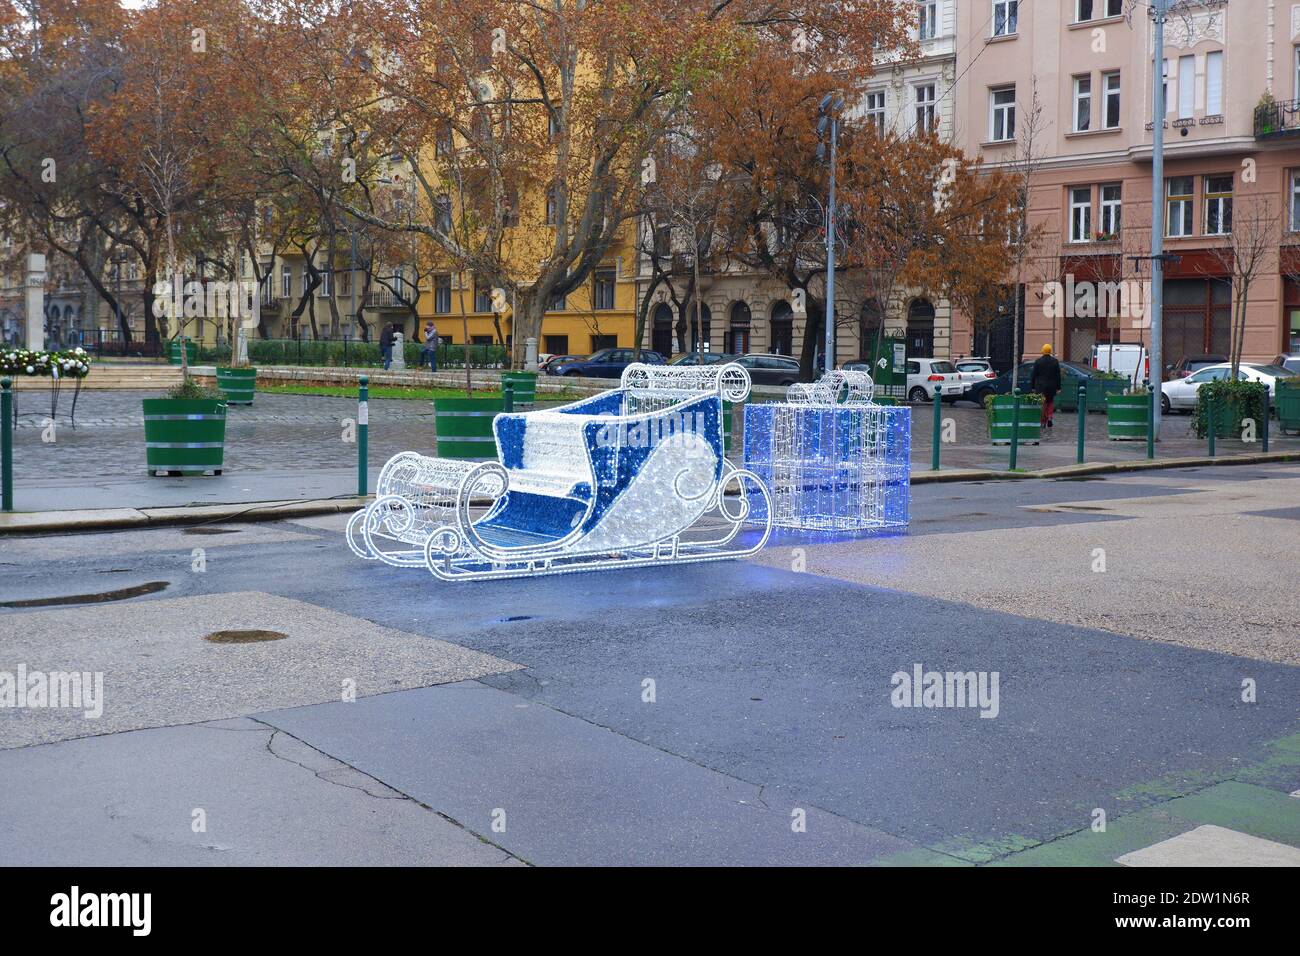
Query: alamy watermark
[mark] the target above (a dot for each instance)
(72, 690)
(922, 688)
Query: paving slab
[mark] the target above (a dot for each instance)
(1213, 846)
(157, 669)
(230, 793)
(557, 790)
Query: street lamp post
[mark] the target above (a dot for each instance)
(1159, 12)
(829, 109)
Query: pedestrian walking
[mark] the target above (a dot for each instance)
(430, 348)
(386, 345)
(1045, 379)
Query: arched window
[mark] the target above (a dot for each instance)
(782, 337)
(738, 333)
(920, 328)
(694, 333)
(661, 330)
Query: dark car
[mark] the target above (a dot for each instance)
(769, 369)
(607, 363)
(701, 358)
(1194, 363)
(1071, 374)
(1289, 362)
(553, 364)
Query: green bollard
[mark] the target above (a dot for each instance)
(1209, 420)
(1265, 436)
(1015, 425)
(938, 428)
(363, 425)
(6, 445)
(508, 396)
(1151, 422)
(1083, 420)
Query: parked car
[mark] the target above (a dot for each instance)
(1194, 363)
(1289, 362)
(1179, 395)
(553, 364)
(700, 358)
(1131, 361)
(1071, 374)
(974, 370)
(608, 363)
(925, 376)
(768, 368)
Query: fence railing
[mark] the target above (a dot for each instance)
(349, 352)
(1274, 119)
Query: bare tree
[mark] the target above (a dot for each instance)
(1247, 254)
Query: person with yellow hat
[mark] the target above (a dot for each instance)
(1045, 379)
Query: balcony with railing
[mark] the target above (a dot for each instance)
(1274, 119)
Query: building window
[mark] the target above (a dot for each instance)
(1108, 227)
(1214, 83)
(926, 19)
(552, 207)
(1164, 83)
(1081, 214)
(1178, 206)
(603, 289)
(1002, 125)
(558, 303)
(482, 296)
(1186, 86)
(442, 294)
(876, 110)
(925, 115)
(1110, 90)
(1097, 9)
(1082, 103)
(1005, 14)
(442, 214)
(1295, 202)
(326, 280)
(286, 282)
(599, 342)
(1218, 205)
(555, 344)
(442, 142)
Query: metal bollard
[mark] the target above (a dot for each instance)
(1083, 421)
(938, 427)
(508, 396)
(6, 445)
(363, 425)
(1266, 411)
(1209, 420)
(1015, 425)
(1151, 422)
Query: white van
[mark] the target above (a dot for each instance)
(1132, 361)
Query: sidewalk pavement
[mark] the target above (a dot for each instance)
(291, 449)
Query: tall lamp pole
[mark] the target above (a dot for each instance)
(1159, 12)
(829, 109)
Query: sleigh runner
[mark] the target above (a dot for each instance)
(631, 477)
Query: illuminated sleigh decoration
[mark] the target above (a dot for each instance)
(632, 477)
(830, 458)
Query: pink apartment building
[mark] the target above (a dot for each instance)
(1232, 134)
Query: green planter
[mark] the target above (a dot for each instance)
(1287, 402)
(191, 352)
(184, 436)
(1098, 390)
(884, 400)
(525, 385)
(1001, 416)
(1128, 417)
(465, 427)
(237, 384)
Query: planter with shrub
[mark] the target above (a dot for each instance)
(1001, 413)
(1287, 404)
(1233, 402)
(185, 432)
(1128, 415)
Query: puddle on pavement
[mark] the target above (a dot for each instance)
(121, 594)
(251, 636)
(206, 530)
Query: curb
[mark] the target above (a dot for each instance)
(108, 519)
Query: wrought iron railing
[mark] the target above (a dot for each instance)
(1276, 119)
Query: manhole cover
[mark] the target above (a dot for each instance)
(253, 636)
(119, 595)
